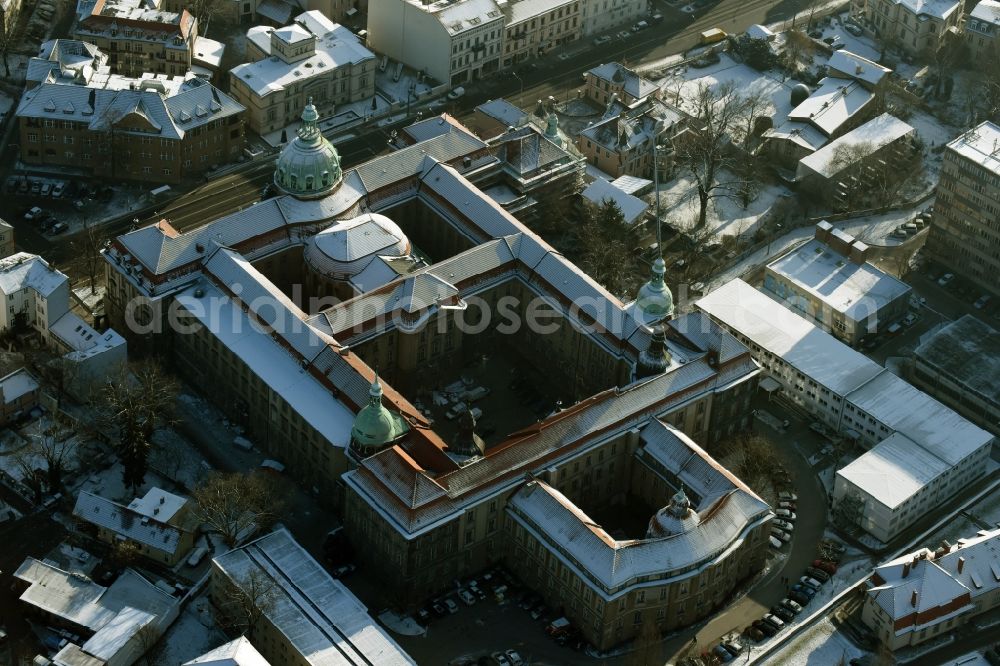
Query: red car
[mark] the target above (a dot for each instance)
(824, 565)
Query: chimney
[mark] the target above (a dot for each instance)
(162, 498)
(822, 232)
(840, 242)
(961, 564)
(913, 599)
(906, 569)
(859, 253)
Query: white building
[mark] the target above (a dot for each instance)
(238, 652)
(829, 282)
(982, 29)
(599, 16)
(313, 616)
(453, 42)
(922, 594)
(312, 58)
(914, 26)
(32, 290)
(921, 452)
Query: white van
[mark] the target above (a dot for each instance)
(197, 555)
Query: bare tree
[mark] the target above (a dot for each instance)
(708, 151)
(122, 554)
(943, 57)
(246, 599)
(137, 402)
(745, 133)
(205, 11)
(752, 458)
(54, 447)
(232, 503)
(148, 637)
(87, 245)
(9, 33)
(32, 476)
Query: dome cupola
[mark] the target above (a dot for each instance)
(375, 426)
(655, 300)
(677, 517)
(309, 166)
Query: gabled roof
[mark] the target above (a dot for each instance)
(856, 67)
(834, 103)
(238, 652)
(29, 271)
(128, 523)
(620, 75)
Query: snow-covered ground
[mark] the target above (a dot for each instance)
(726, 216)
(191, 635)
(820, 645)
(968, 659)
(859, 45)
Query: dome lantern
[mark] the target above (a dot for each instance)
(654, 299)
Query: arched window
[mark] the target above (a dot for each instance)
(309, 182)
(293, 181)
(326, 178)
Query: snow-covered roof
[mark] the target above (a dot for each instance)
(337, 47)
(321, 619)
(238, 652)
(834, 103)
(872, 136)
(631, 184)
(894, 470)
(939, 9)
(988, 11)
(856, 67)
(503, 112)
(967, 351)
(529, 9)
(81, 338)
(800, 133)
(619, 75)
(29, 271)
(780, 331)
(152, 532)
(758, 31)
(268, 359)
(633, 128)
(158, 504)
(349, 246)
(461, 15)
(17, 384)
(601, 190)
(727, 516)
(855, 289)
(114, 635)
(291, 34)
(208, 52)
(981, 146)
(80, 601)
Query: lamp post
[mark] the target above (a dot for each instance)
(777, 230)
(520, 94)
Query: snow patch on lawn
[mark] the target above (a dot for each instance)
(820, 645)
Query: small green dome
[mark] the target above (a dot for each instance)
(655, 299)
(375, 426)
(309, 165)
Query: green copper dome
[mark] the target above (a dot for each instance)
(655, 299)
(375, 426)
(309, 165)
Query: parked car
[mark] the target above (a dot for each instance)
(945, 279)
(782, 524)
(784, 513)
(765, 628)
(722, 653)
(501, 659)
(982, 302)
(640, 26)
(58, 190)
(811, 582)
(456, 92)
(853, 29)
(826, 566)
(33, 213)
(59, 227)
(450, 604)
(46, 189)
(603, 39)
(733, 648)
(818, 574)
(774, 621)
(787, 496)
(781, 534)
(36, 187)
(514, 658)
(910, 319)
(467, 597)
(775, 542)
(791, 605)
(782, 612)
(797, 597)
(424, 614)
(343, 570)
(804, 589)
(754, 633)
(787, 505)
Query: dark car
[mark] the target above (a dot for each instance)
(755, 634)
(765, 628)
(439, 609)
(804, 589)
(798, 597)
(732, 648)
(826, 566)
(424, 614)
(818, 574)
(783, 613)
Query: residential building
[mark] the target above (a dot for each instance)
(35, 296)
(829, 282)
(452, 42)
(139, 39)
(960, 366)
(8, 246)
(161, 525)
(117, 624)
(615, 79)
(922, 595)
(534, 27)
(982, 27)
(599, 191)
(152, 130)
(19, 395)
(313, 58)
(915, 27)
(597, 16)
(65, 61)
(921, 453)
(237, 652)
(964, 234)
(621, 142)
(495, 117)
(861, 168)
(311, 619)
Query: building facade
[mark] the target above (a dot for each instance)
(8, 244)
(597, 16)
(311, 59)
(829, 282)
(960, 366)
(18, 395)
(916, 28)
(136, 133)
(533, 27)
(964, 234)
(138, 39)
(621, 143)
(982, 28)
(616, 80)
(924, 594)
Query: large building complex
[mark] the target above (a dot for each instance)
(921, 452)
(965, 235)
(924, 594)
(960, 366)
(309, 618)
(429, 271)
(828, 281)
(313, 58)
